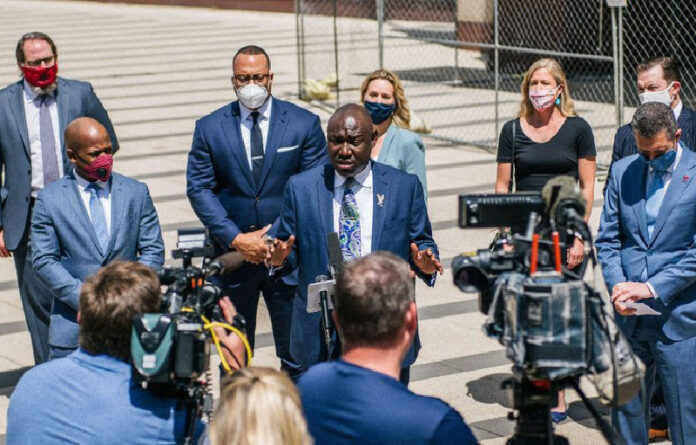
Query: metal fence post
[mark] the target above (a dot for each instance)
(299, 32)
(619, 13)
(496, 62)
(380, 31)
(335, 33)
(617, 67)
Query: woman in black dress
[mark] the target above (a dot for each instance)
(550, 140)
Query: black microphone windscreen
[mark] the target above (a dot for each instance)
(230, 261)
(335, 253)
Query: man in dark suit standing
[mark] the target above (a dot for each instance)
(358, 399)
(659, 80)
(647, 248)
(33, 115)
(369, 205)
(86, 220)
(241, 158)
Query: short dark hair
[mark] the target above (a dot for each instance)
(109, 300)
(35, 35)
(670, 67)
(653, 117)
(252, 50)
(373, 295)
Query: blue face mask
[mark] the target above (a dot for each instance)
(379, 111)
(662, 162)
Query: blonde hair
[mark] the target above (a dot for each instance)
(566, 107)
(402, 115)
(259, 406)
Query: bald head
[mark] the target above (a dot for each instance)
(86, 140)
(83, 131)
(350, 137)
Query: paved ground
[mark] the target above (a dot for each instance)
(157, 69)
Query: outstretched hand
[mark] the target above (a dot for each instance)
(425, 260)
(280, 251)
(252, 245)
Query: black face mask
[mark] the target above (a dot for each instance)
(379, 112)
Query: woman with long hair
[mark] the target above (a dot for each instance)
(546, 140)
(383, 96)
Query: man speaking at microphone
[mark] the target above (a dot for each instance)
(371, 206)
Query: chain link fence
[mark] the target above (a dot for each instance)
(462, 61)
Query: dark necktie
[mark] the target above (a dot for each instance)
(49, 159)
(256, 142)
(349, 223)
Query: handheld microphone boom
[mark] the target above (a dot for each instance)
(223, 264)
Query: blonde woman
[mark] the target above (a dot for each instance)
(259, 406)
(383, 97)
(548, 139)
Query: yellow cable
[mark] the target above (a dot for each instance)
(210, 325)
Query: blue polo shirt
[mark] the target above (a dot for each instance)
(349, 404)
(89, 399)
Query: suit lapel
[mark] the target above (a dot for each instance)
(325, 195)
(230, 126)
(74, 198)
(20, 117)
(380, 203)
(681, 177)
(116, 195)
(276, 130)
(62, 96)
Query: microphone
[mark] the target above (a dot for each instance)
(563, 200)
(335, 254)
(226, 263)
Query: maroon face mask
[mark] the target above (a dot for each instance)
(40, 76)
(99, 169)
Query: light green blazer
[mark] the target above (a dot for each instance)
(404, 149)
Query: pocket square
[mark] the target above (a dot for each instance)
(286, 149)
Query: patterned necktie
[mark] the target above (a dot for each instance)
(349, 223)
(256, 143)
(656, 188)
(96, 212)
(49, 159)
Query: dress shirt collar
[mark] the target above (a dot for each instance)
(678, 109)
(264, 111)
(83, 183)
(364, 178)
(32, 92)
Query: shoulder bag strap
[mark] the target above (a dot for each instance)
(511, 184)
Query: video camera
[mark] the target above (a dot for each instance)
(170, 350)
(554, 326)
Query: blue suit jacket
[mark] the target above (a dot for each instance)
(66, 250)
(404, 149)
(625, 250)
(73, 99)
(308, 214)
(220, 185)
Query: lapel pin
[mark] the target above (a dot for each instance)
(685, 178)
(380, 199)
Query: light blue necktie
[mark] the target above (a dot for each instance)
(349, 223)
(656, 188)
(49, 158)
(96, 212)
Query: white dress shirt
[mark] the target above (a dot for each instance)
(678, 109)
(104, 197)
(246, 122)
(362, 189)
(32, 111)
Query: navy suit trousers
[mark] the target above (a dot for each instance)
(673, 362)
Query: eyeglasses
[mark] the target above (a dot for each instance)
(245, 78)
(48, 61)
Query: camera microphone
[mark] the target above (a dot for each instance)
(563, 200)
(223, 264)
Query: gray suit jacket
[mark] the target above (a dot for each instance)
(74, 99)
(66, 249)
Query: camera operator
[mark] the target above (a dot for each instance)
(359, 399)
(647, 247)
(89, 396)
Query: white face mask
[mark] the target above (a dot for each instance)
(662, 96)
(252, 96)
